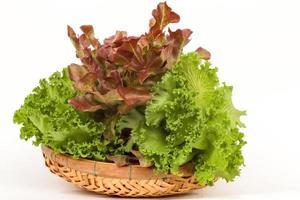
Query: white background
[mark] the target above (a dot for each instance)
(255, 44)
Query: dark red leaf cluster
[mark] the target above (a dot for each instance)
(119, 73)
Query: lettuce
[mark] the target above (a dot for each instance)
(47, 117)
(190, 118)
(139, 100)
(120, 72)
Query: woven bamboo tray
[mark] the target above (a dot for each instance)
(109, 179)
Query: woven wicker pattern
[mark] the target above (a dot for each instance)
(114, 183)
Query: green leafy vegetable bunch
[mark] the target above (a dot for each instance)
(139, 100)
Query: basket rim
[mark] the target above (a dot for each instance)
(106, 169)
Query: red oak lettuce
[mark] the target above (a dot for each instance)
(119, 73)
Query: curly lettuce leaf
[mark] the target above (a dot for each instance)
(47, 117)
(194, 115)
(149, 140)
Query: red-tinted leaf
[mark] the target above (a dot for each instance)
(163, 15)
(88, 30)
(85, 103)
(154, 66)
(116, 39)
(130, 50)
(134, 66)
(145, 73)
(84, 81)
(111, 98)
(75, 42)
(158, 41)
(122, 160)
(133, 96)
(76, 72)
(84, 42)
(141, 158)
(203, 53)
(187, 169)
(73, 37)
(87, 83)
(143, 44)
(114, 79)
(178, 39)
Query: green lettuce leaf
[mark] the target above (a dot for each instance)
(194, 118)
(47, 117)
